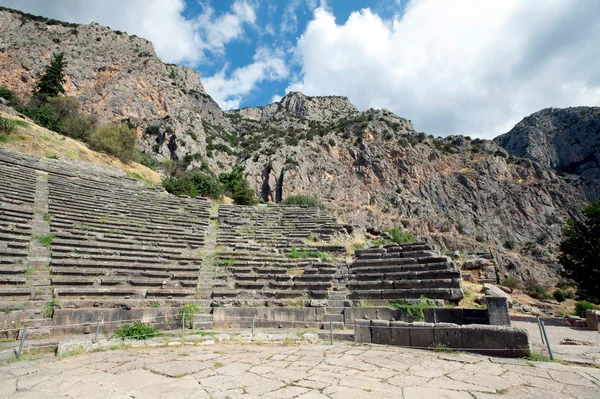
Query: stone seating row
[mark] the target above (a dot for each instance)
(17, 197)
(403, 271)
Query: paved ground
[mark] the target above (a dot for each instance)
(556, 334)
(297, 371)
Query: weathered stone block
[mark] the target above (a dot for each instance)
(498, 311)
(496, 340)
(380, 332)
(399, 333)
(592, 317)
(448, 334)
(362, 331)
(422, 335)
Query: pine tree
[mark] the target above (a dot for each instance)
(50, 84)
(580, 252)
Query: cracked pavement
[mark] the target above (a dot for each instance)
(304, 371)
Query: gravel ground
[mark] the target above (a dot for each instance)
(575, 353)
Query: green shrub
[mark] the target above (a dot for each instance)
(43, 116)
(136, 330)
(510, 244)
(535, 289)
(10, 96)
(511, 283)
(194, 184)
(559, 295)
(207, 185)
(400, 237)
(582, 306)
(187, 312)
(303, 200)
(415, 310)
(180, 186)
(50, 307)
(7, 125)
(117, 140)
(236, 186)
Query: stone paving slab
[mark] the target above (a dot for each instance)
(293, 371)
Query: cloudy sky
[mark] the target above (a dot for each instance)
(453, 67)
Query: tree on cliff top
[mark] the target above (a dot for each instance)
(580, 252)
(51, 83)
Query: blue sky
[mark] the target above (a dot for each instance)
(278, 25)
(450, 66)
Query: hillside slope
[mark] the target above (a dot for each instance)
(30, 138)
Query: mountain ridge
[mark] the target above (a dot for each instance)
(370, 167)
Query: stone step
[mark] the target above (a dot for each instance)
(433, 293)
(404, 284)
(338, 318)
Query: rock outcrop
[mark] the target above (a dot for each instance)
(115, 75)
(564, 139)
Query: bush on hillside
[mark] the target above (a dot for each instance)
(582, 306)
(399, 237)
(242, 194)
(43, 116)
(7, 125)
(180, 186)
(535, 290)
(559, 295)
(117, 140)
(10, 96)
(511, 283)
(195, 184)
(236, 186)
(580, 252)
(303, 200)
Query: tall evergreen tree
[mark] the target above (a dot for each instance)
(580, 251)
(51, 83)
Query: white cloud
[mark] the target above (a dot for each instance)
(474, 68)
(227, 27)
(175, 38)
(229, 91)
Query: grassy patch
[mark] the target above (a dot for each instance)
(136, 330)
(297, 254)
(187, 312)
(442, 348)
(75, 352)
(218, 365)
(203, 333)
(21, 123)
(415, 310)
(50, 307)
(44, 240)
(226, 262)
(536, 357)
(138, 176)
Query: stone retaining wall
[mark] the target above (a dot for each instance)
(491, 340)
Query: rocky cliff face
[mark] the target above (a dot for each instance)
(564, 139)
(115, 75)
(371, 168)
(374, 169)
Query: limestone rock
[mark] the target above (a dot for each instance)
(566, 139)
(494, 291)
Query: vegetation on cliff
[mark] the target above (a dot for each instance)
(580, 252)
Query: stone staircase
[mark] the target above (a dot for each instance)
(404, 272)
